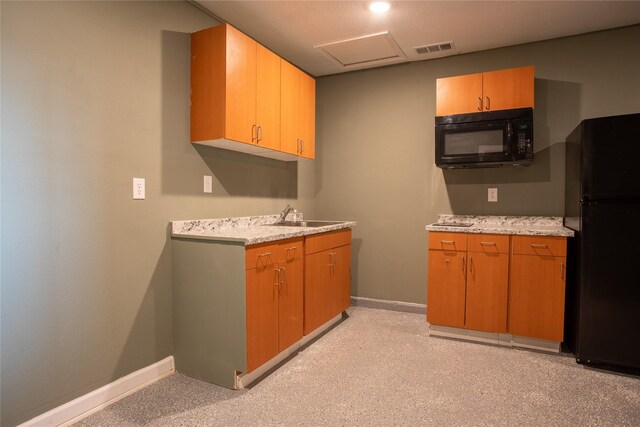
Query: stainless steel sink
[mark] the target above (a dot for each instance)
(303, 223)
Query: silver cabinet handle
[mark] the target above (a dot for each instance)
(479, 103)
(301, 146)
(488, 106)
(263, 260)
(259, 134)
(292, 248)
(464, 267)
(254, 128)
(488, 243)
(284, 275)
(277, 270)
(471, 264)
(332, 259)
(446, 242)
(561, 269)
(538, 245)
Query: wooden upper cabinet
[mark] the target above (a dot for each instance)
(508, 89)
(243, 92)
(458, 95)
(307, 116)
(298, 112)
(223, 85)
(491, 91)
(240, 88)
(290, 108)
(268, 98)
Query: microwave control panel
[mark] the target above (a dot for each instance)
(524, 138)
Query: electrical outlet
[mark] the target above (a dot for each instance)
(493, 195)
(208, 184)
(138, 188)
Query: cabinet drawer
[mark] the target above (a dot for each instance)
(262, 255)
(447, 241)
(324, 241)
(488, 243)
(540, 245)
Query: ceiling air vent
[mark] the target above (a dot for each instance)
(437, 47)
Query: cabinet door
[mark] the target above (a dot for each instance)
(446, 288)
(240, 111)
(290, 307)
(487, 287)
(208, 76)
(307, 116)
(268, 98)
(536, 298)
(460, 94)
(317, 289)
(507, 89)
(262, 314)
(341, 279)
(290, 108)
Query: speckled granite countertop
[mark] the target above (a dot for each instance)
(525, 225)
(249, 229)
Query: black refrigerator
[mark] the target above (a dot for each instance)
(602, 205)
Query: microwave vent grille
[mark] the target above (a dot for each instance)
(436, 47)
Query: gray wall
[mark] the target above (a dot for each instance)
(375, 156)
(94, 94)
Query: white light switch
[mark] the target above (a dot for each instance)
(208, 184)
(138, 188)
(493, 195)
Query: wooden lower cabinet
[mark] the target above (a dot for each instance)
(446, 290)
(487, 287)
(237, 307)
(497, 283)
(327, 277)
(468, 281)
(537, 294)
(274, 299)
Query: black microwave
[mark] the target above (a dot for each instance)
(488, 139)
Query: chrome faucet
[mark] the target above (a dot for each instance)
(283, 214)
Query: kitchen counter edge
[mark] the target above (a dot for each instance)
(515, 225)
(256, 234)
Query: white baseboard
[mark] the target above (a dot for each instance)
(96, 400)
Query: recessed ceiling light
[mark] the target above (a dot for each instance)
(379, 6)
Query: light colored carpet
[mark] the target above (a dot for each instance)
(379, 367)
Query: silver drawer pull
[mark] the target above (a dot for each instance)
(488, 243)
(447, 242)
(264, 254)
(538, 245)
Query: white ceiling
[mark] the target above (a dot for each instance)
(292, 29)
